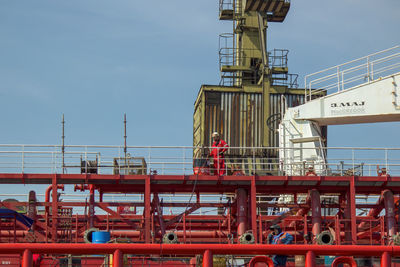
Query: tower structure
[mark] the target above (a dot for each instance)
(255, 84)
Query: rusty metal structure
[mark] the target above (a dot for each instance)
(150, 209)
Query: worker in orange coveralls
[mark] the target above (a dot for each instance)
(219, 147)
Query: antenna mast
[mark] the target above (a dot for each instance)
(125, 148)
(63, 144)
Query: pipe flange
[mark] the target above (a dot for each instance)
(87, 235)
(170, 238)
(325, 238)
(246, 238)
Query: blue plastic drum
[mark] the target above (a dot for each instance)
(100, 237)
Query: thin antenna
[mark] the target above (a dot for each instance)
(125, 148)
(63, 143)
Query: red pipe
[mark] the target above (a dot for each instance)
(47, 194)
(194, 235)
(27, 258)
(194, 249)
(386, 200)
(261, 259)
(193, 262)
(81, 187)
(374, 213)
(118, 258)
(302, 212)
(137, 234)
(344, 260)
(390, 216)
(32, 211)
(91, 206)
(208, 258)
(241, 198)
(316, 213)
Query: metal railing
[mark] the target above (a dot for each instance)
(234, 6)
(179, 160)
(278, 58)
(226, 5)
(353, 73)
(229, 56)
(248, 59)
(289, 80)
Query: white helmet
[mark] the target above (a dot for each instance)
(215, 134)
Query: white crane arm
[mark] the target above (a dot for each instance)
(300, 130)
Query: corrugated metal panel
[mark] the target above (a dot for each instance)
(198, 116)
(237, 116)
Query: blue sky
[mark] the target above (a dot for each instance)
(94, 60)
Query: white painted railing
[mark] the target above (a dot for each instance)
(353, 73)
(179, 160)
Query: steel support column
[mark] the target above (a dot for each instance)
(316, 213)
(310, 259)
(27, 258)
(147, 207)
(54, 210)
(352, 206)
(208, 258)
(253, 202)
(386, 260)
(118, 258)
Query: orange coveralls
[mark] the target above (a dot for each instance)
(217, 153)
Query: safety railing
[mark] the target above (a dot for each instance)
(179, 160)
(233, 7)
(226, 5)
(289, 80)
(278, 58)
(229, 56)
(353, 73)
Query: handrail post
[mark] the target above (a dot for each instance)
(183, 160)
(386, 160)
(23, 156)
(338, 78)
(372, 71)
(342, 80)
